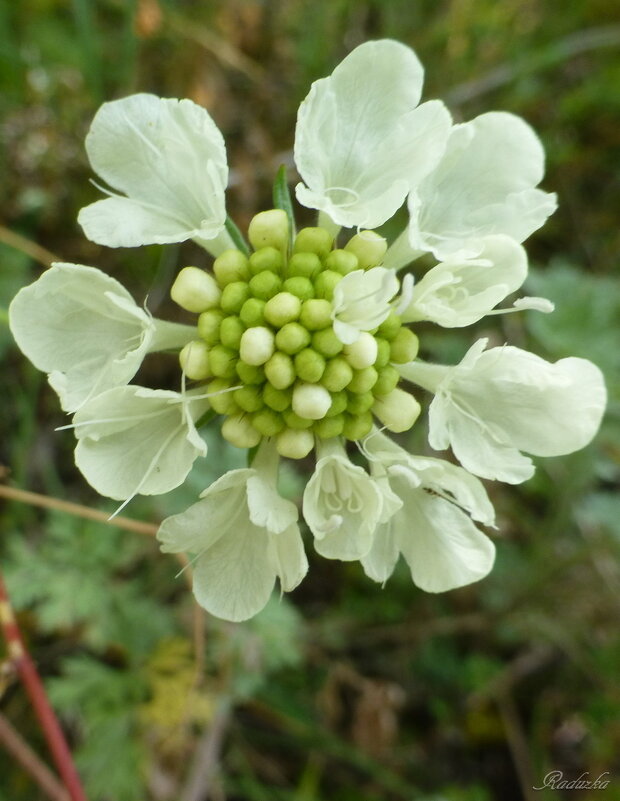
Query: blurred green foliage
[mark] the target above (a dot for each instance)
(345, 691)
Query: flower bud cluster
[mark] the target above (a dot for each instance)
(268, 349)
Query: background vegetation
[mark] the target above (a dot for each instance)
(344, 690)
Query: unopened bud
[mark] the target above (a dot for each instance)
(325, 284)
(265, 285)
(357, 426)
(231, 331)
(266, 260)
(234, 295)
(326, 342)
(248, 398)
(329, 427)
(383, 352)
(316, 314)
(253, 312)
(398, 410)
(363, 352)
(294, 444)
(338, 373)
(304, 265)
(249, 373)
(194, 360)
(339, 403)
(220, 399)
(299, 286)
(293, 420)
(404, 347)
(239, 431)
(363, 380)
(342, 261)
(267, 422)
(311, 401)
(231, 265)
(280, 371)
(257, 345)
(369, 247)
(360, 403)
(309, 365)
(313, 240)
(390, 326)
(195, 290)
(277, 399)
(209, 326)
(269, 229)
(282, 308)
(222, 361)
(387, 381)
(292, 338)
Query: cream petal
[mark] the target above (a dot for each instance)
(362, 301)
(288, 558)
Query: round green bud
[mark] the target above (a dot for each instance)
(239, 431)
(267, 422)
(398, 410)
(230, 266)
(404, 347)
(252, 312)
(280, 371)
(304, 265)
(249, 398)
(291, 338)
(231, 331)
(294, 444)
(220, 399)
(311, 401)
(390, 326)
(257, 345)
(250, 373)
(209, 324)
(222, 361)
(269, 229)
(363, 380)
(194, 360)
(326, 342)
(363, 352)
(325, 283)
(293, 420)
(342, 261)
(359, 403)
(265, 285)
(299, 286)
(316, 314)
(338, 373)
(277, 399)
(387, 381)
(234, 296)
(357, 426)
(329, 427)
(282, 308)
(383, 352)
(313, 240)
(195, 290)
(266, 260)
(339, 403)
(309, 365)
(369, 247)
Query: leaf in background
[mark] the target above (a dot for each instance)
(282, 200)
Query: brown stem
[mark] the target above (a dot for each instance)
(24, 665)
(27, 246)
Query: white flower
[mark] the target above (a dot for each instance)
(362, 301)
(499, 402)
(459, 292)
(341, 504)
(432, 526)
(360, 141)
(138, 441)
(85, 330)
(244, 535)
(169, 159)
(484, 184)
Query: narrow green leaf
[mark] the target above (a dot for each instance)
(282, 200)
(237, 237)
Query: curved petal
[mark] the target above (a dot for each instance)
(362, 302)
(287, 555)
(169, 158)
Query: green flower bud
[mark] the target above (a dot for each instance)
(277, 399)
(234, 296)
(282, 308)
(313, 240)
(238, 430)
(342, 261)
(252, 312)
(291, 338)
(304, 265)
(390, 326)
(248, 398)
(325, 284)
(293, 420)
(267, 422)
(316, 314)
(360, 403)
(311, 401)
(280, 371)
(338, 373)
(309, 365)
(266, 260)
(230, 266)
(357, 426)
(231, 331)
(404, 347)
(257, 345)
(387, 381)
(195, 290)
(209, 324)
(329, 427)
(222, 403)
(383, 352)
(294, 444)
(222, 361)
(301, 287)
(369, 247)
(265, 285)
(339, 403)
(363, 380)
(326, 342)
(269, 229)
(194, 360)
(398, 410)
(250, 373)
(363, 352)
